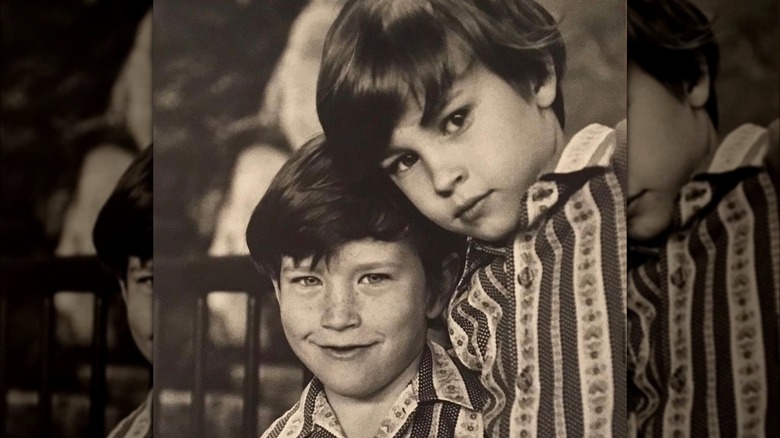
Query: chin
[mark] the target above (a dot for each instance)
(352, 388)
(647, 229)
(492, 234)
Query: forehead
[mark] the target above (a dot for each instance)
(357, 254)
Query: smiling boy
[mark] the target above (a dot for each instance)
(703, 225)
(459, 103)
(123, 241)
(358, 275)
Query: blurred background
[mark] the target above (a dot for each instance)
(76, 96)
(234, 95)
(749, 37)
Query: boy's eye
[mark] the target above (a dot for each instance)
(144, 280)
(374, 278)
(456, 121)
(403, 163)
(307, 281)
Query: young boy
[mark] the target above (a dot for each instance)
(702, 223)
(123, 240)
(358, 275)
(460, 104)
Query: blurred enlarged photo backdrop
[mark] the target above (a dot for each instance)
(76, 112)
(704, 247)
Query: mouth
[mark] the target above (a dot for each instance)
(630, 200)
(345, 352)
(470, 209)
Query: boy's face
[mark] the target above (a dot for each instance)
(665, 146)
(468, 168)
(137, 293)
(359, 321)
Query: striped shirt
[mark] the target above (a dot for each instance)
(138, 424)
(442, 400)
(702, 309)
(542, 319)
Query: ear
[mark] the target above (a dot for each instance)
(442, 290)
(276, 288)
(123, 288)
(699, 93)
(545, 90)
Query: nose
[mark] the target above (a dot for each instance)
(340, 309)
(446, 175)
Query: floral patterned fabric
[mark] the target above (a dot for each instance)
(442, 400)
(542, 318)
(703, 308)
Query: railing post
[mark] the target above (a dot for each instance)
(251, 364)
(45, 390)
(156, 406)
(3, 347)
(199, 349)
(97, 386)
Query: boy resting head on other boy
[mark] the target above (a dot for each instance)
(460, 105)
(359, 274)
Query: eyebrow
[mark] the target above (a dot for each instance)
(375, 265)
(435, 110)
(134, 269)
(297, 268)
(429, 118)
(367, 266)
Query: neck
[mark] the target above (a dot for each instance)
(362, 417)
(710, 140)
(559, 142)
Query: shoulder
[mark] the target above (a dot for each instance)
(773, 156)
(593, 146)
(297, 421)
(138, 423)
(282, 425)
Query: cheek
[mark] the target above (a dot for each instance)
(418, 189)
(402, 310)
(139, 309)
(297, 316)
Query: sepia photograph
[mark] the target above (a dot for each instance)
(74, 325)
(390, 218)
(315, 283)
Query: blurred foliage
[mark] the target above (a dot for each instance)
(59, 62)
(211, 65)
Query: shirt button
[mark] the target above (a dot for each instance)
(525, 277)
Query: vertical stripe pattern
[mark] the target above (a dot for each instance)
(703, 310)
(542, 319)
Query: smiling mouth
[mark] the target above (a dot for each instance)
(345, 352)
(467, 209)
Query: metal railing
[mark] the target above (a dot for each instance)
(192, 278)
(44, 278)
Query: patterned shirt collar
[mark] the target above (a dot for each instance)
(740, 155)
(589, 152)
(138, 423)
(439, 379)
